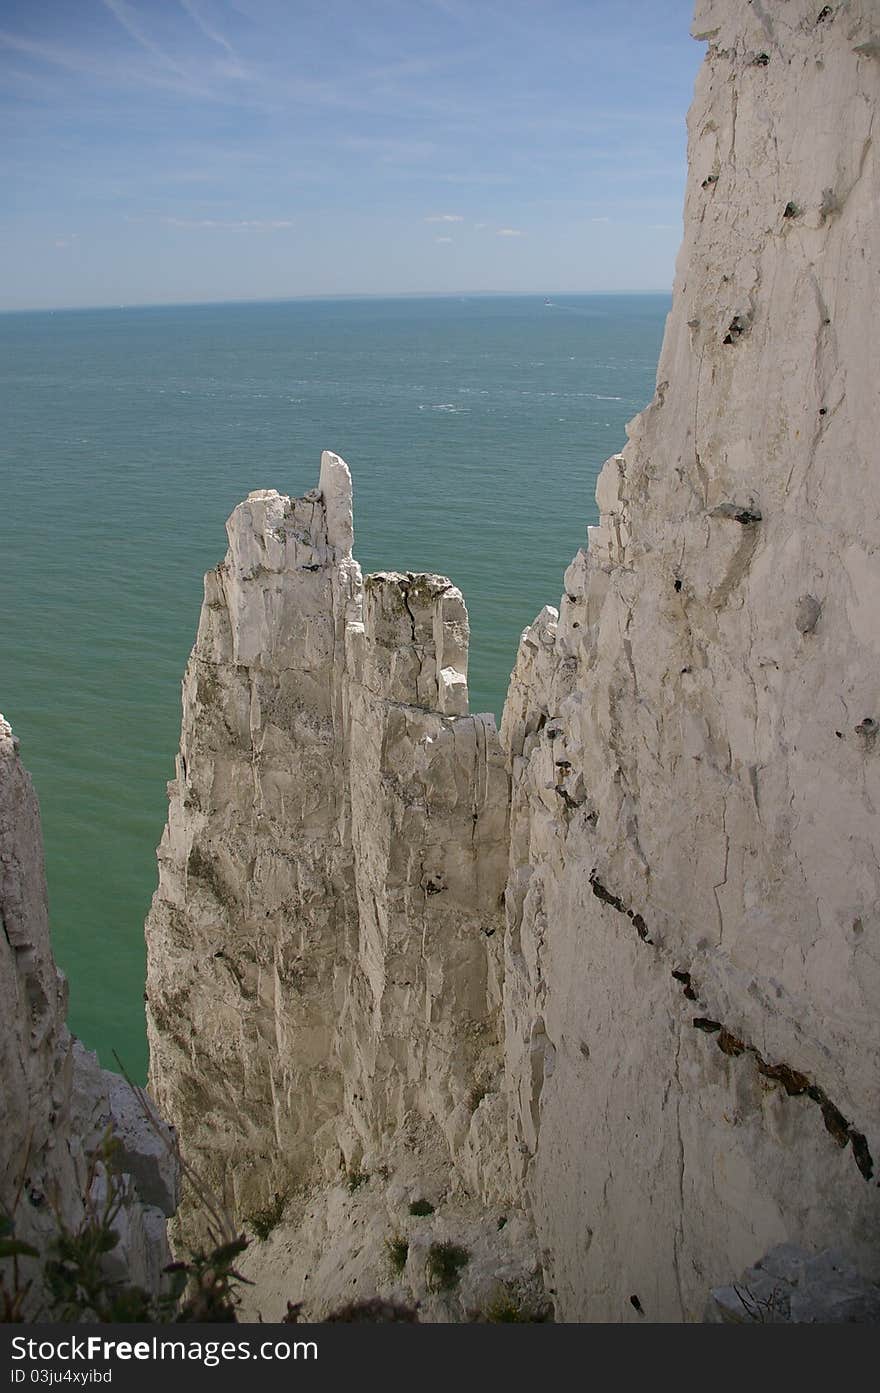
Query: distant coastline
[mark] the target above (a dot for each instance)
(344, 298)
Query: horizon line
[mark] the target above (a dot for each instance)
(341, 295)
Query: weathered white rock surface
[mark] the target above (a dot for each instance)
(672, 1062)
(252, 911)
(56, 1102)
(324, 980)
(693, 943)
(791, 1286)
(335, 1244)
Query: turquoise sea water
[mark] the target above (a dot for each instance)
(474, 428)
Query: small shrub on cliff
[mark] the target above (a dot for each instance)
(13, 1296)
(264, 1220)
(205, 1288)
(421, 1208)
(71, 1272)
(503, 1310)
(77, 1286)
(509, 1307)
(355, 1178)
(397, 1252)
(444, 1264)
(375, 1311)
(74, 1266)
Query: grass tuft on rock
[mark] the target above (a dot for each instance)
(509, 1307)
(421, 1208)
(444, 1264)
(263, 1221)
(397, 1252)
(355, 1178)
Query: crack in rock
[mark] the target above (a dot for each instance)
(795, 1084)
(792, 1080)
(606, 897)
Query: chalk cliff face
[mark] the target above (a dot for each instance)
(251, 914)
(324, 984)
(56, 1103)
(663, 1055)
(693, 943)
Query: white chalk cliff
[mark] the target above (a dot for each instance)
(660, 1057)
(325, 960)
(56, 1103)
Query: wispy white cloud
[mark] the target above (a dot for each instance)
(128, 17)
(263, 224)
(418, 67)
(105, 69)
(140, 112)
(484, 178)
(47, 53)
(30, 82)
(390, 149)
(209, 32)
(232, 66)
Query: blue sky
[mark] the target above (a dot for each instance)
(185, 150)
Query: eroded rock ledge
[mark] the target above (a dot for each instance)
(660, 1060)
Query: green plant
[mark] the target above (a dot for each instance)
(205, 1288)
(443, 1265)
(264, 1220)
(421, 1208)
(12, 1299)
(375, 1311)
(74, 1269)
(397, 1252)
(72, 1274)
(503, 1310)
(508, 1307)
(355, 1178)
(78, 1287)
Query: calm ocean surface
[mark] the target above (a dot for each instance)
(474, 428)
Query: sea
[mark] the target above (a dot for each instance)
(474, 426)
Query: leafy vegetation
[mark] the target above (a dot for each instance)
(397, 1252)
(508, 1307)
(443, 1265)
(264, 1220)
(72, 1279)
(421, 1208)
